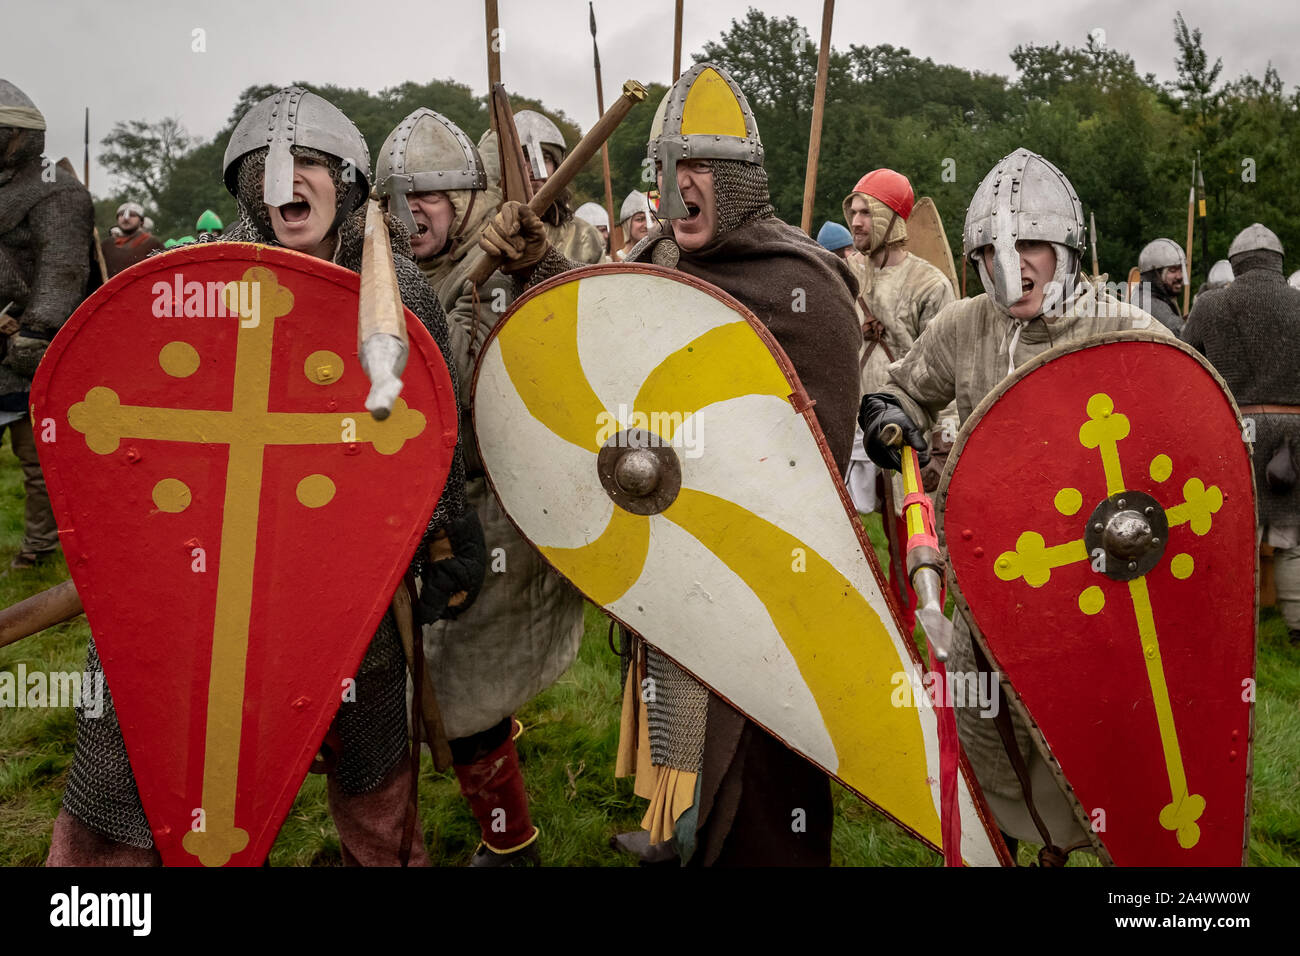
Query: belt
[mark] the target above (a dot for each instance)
(1270, 409)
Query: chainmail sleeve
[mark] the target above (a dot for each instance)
(61, 230)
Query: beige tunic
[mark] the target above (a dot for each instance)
(963, 355)
(905, 298)
(524, 629)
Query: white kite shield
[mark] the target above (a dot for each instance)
(647, 435)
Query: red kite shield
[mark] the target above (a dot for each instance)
(228, 512)
(1099, 516)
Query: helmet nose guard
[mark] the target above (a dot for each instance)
(703, 116)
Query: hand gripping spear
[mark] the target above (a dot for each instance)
(924, 569)
(633, 93)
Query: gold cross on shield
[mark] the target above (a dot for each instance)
(247, 429)
(1127, 534)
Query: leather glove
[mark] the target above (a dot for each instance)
(878, 410)
(454, 574)
(515, 235)
(24, 354)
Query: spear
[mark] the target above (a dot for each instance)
(1187, 259)
(677, 42)
(819, 103)
(85, 181)
(493, 46)
(1092, 241)
(615, 232)
(1200, 209)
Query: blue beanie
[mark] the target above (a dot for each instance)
(834, 236)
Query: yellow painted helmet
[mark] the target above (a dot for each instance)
(703, 116)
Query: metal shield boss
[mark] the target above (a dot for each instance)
(231, 517)
(1099, 517)
(645, 433)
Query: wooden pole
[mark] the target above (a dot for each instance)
(54, 606)
(819, 103)
(633, 93)
(615, 233)
(493, 43)
(85, 179)
(1187, 261)
(677, 42)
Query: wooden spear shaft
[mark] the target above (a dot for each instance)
(633, 93)
(819, 103)
(1187, 259)
(677, 42)
(615, 233)
(493, 43)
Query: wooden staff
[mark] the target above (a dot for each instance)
(493, 48)
(633, 93)
(615, 232)
(1187, 259)
(85, 181)
(677, 42)
(819, 103)
(53, 606)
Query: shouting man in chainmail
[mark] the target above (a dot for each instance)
(318, 209)
(46, 219)
(1035, 297)
(721, 788)
(525, 628)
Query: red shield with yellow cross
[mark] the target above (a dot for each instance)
(1099, 516)
(234, 520)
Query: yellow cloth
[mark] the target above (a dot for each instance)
(670, 792)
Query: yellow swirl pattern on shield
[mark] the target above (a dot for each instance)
(832, 632)
(842, 649)
(726, 362)
(539, 346)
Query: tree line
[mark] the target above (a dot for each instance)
(1126, 141)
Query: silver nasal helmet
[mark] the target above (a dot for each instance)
(295, 117)
(426, 153)
(703, 116)
(1024, 197)
(536, 132)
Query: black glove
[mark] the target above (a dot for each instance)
(878, 410)
(462, 572)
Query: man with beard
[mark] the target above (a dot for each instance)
(1164, 274)
(544, 150)
(295, 190)
(130, 241)
(898, 294)
(46, 218)
(1250, 332)
(525, 627)
(1035, 297)
(721, 788)
(636, 220)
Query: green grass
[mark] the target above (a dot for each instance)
(567, 753)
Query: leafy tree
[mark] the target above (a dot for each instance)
(144, 155)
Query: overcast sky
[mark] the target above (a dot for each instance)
(135, 59)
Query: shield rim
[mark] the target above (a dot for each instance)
(803, 405)
(963, 606)
(341, 278)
